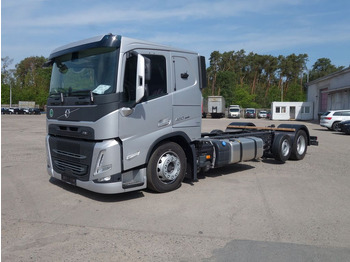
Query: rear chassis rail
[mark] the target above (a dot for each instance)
(268, 135)
(290, 129)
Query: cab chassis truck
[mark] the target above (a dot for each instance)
(125, 114)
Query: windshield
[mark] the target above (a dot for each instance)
(234, 110)
(83, 72)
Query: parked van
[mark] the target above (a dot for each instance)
(250, 113)
(234, 111)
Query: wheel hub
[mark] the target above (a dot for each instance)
(301, 145)
(285, 147)
(168, 167)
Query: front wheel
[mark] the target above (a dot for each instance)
(166, 168)
(281, 147)
(299, 146)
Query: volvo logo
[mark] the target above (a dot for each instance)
(67, 113)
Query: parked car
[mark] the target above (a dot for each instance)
(331, 119)
(344, 127)
(250, 113)
(268, 115)
(25, 111)
(5, 110)
(34, 111)
(262, 114)
(18, 111)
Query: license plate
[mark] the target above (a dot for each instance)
(69, 179)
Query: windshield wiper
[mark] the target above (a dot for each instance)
(84, 92)
(58, 92)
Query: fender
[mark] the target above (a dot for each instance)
(297, 128)
(184, 141)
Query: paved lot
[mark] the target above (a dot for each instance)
(252, 211)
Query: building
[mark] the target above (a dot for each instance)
(292, 111)
(330, 92)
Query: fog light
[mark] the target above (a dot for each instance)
(104, 179)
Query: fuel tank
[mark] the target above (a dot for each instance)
(229, 151)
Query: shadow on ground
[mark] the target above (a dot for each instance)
(262, 251)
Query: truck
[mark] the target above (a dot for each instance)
(234, 111)
(216, 106)
(125, 115)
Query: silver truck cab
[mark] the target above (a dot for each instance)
(112, 102)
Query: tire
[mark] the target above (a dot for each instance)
(241, 124)
(238, 124)
(216, 132)
(166, 168)
(335, 126)
(282, 147)
(299, 146)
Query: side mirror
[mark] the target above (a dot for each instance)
(202, 72)
(143, 74)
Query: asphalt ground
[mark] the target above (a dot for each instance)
(251, 211)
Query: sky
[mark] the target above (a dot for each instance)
(318, 28)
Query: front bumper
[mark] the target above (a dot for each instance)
(95, 166)
(109, 187)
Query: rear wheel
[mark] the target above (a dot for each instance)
(216, 132)
(281, 147)
(299, 146)
(166, 168)
(335, 126)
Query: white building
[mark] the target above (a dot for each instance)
(292, 110)
(330, 92)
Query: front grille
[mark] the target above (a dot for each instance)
(70, 168)
(69, 154)
(71, 157)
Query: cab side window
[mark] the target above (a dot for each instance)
(157, 85)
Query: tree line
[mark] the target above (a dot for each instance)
(29, 81)
(253, 80)
(249, 80)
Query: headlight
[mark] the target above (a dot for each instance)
(100, 167)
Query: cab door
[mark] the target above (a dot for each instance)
(187, 97)
(151, 118)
